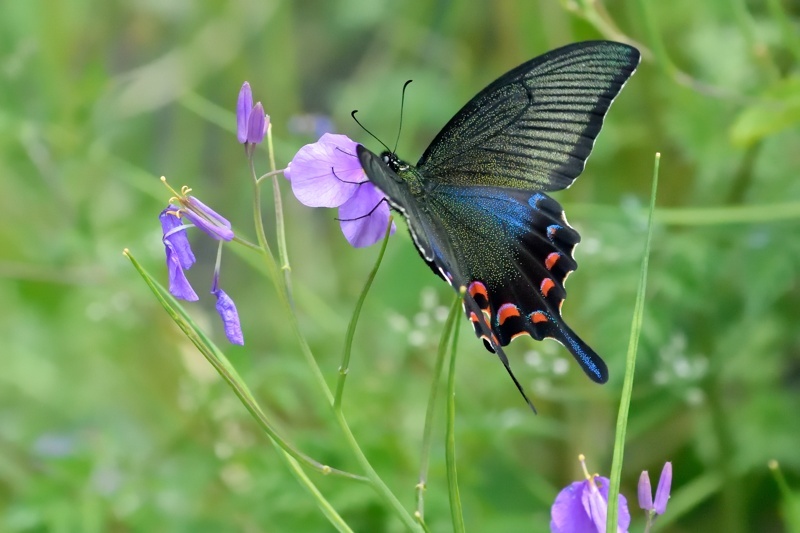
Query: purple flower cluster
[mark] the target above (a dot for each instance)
(327, 173)
(323, 174)
(582, 506)
(175, 219)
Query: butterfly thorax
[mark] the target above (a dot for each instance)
(409, 174)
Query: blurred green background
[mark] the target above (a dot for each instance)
(111, 421)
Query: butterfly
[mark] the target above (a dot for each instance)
(476, 202)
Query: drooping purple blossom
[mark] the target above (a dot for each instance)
(227, 311)
(327, 173)
(182, 213)
(582, 506)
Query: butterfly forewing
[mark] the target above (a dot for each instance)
(534, 127)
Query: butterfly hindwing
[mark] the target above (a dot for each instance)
(534, 127)
(512, 249)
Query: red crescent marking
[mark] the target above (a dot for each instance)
(506, 311)
(551, 260)
(538, 316)
(546, 285)
(473, 317)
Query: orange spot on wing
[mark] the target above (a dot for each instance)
(473, 317)
(476, 287)
(506, 311)
(551, 260)
(538, 316)
(546, 285)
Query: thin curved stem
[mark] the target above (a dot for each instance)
(430, 414)
(344, 367)
(630, 365)
(456, 512)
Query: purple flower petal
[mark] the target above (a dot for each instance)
(217, 227)
(664, 486)
(179, 286)
(230, 317)
(582, 508)
(244, 105)
(325, 173)
(568, 514)
(256, 125)
(623, 515)
(595, 506)
(228, 313)
(176, 236)
(365, 216)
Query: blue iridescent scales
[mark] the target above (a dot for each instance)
(475, 202)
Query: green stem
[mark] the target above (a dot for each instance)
(380, 487)
(703, 216)
(351, 328)
(280, 229)
(792, 517)
(323, 504)
(427, 432)
(456, 511)
(630, 365)
(228, 373)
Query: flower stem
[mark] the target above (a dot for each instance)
(431, 410)
(380, 487)
(456, 512)
(280, 229)
(630, 365)
(323, 504)
(228, 373)
(351, 328)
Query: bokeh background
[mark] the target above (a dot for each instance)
(111, 421)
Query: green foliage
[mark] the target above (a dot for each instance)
(112, 420)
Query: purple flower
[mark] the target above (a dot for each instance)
(227, 311)
(582, 507)
(662, 492)
(251, 122)
(327, 173)
(181, 258)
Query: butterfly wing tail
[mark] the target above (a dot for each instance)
(590, 362)
(478, 319)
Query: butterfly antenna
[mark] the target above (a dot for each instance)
(353, 114)
(402, 103)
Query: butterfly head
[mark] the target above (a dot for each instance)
(394, 162)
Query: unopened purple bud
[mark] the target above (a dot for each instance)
(664, 486)
(645, 492)
(244, 106)
(256, 125)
